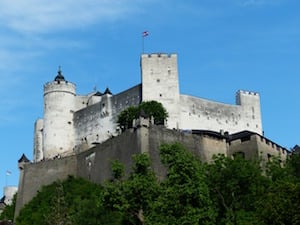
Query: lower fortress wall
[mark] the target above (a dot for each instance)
(94, 164)
(35, 175)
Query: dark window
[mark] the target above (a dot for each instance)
(247, 138)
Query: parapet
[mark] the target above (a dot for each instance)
(59, 86)
(247, 93)
(159, 55)
(244, 96)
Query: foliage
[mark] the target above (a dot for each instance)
(154, 109)
(63, 203)
(58, 214)
(127, 116)
(235, 184)
(184, 198)
(280, 204)
(150, 108)
(293, 165)
(6, 222)
(117, 169)
(9, 210)
(132, 197)
(275, 170)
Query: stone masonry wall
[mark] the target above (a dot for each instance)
(36, 175)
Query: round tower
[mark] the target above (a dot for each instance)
(59, 103)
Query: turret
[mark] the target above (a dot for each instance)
(59, 105)
(250, 103)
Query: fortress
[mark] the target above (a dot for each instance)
(79, 134)
(73, 123)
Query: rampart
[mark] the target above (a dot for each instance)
(198, 112)
(94, 164)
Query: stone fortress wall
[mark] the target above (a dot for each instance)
(209, 115)
(94, 163)
(97, 122)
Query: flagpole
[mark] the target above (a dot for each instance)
(144, 34)
(143, 44)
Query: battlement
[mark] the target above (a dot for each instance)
(64, 82)
(247, 93)
(281, 150)
(159, 55)
(247, 98)
(59, 86)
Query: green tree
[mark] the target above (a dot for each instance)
(9, 210)
(72, 201)
(150, 108)
(59, 213)
(235, 185)
(293, 165)
(156, 110)
(132, 197)
(127, 116)
(184, 197)
(280, 202)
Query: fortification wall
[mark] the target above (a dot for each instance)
(129, 97)
(212, 146)
(198, 113)
(201, 146)
(95, 164)
(36, 175)
(81, 102)
(256, 146)
(93, 124)
(246, 146)
(268, 149)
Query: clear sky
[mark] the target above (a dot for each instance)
(222, 46)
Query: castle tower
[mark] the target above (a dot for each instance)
(250, 103)
(160, 83)
(58, 130)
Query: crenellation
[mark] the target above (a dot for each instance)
(160, 55)
(247, 92)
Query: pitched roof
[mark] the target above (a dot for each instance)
(107, 91)
(23, 159)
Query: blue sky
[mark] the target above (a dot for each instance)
(222, 46)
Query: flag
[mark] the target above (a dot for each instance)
(145, 33)
(8, 173)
